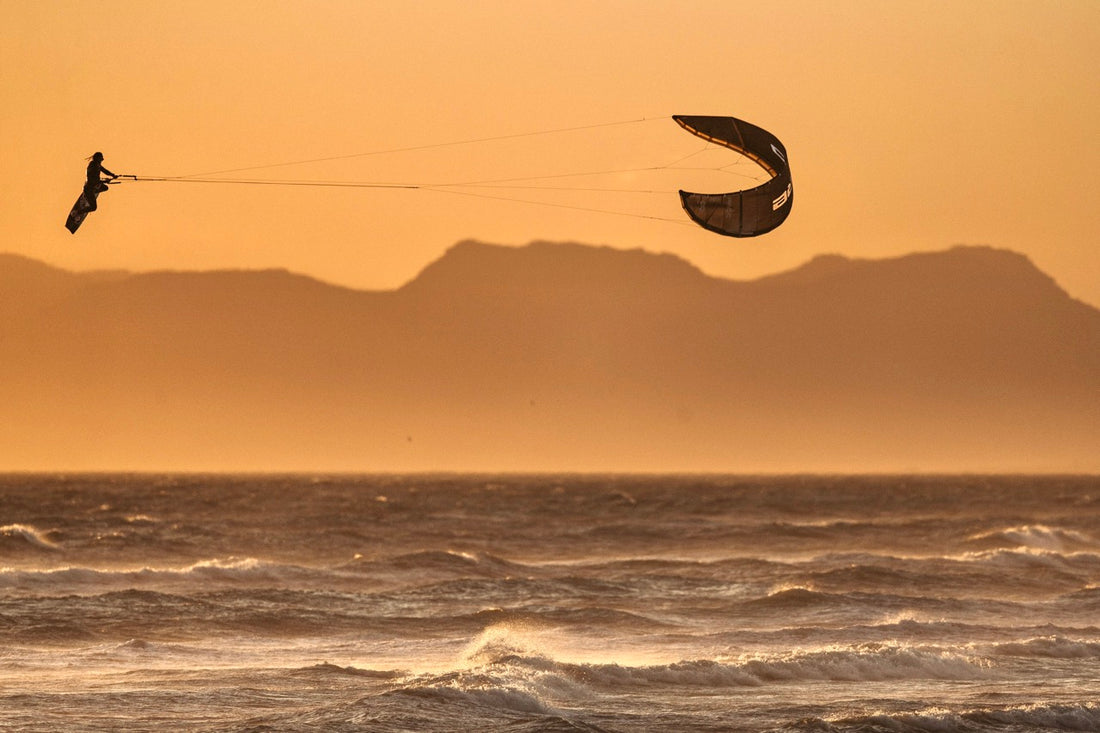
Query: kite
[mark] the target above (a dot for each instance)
(752, 211)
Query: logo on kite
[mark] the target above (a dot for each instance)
(752, 211)
(782, 198)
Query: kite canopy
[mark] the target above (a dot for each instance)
(752, 211)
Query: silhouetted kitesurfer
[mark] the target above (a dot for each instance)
(96, 184)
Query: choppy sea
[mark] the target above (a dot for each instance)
(549, 603)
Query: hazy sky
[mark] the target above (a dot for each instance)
(911, 125)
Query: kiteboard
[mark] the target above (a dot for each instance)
(83, 207)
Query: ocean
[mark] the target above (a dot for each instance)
(549, 603)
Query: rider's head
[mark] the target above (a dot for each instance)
(97, 156)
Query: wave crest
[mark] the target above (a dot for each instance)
(226, 572)
(867, 663)
(531, 652)
(1035, 537)
(27, 536)
(1046, 717)
(1050, 647)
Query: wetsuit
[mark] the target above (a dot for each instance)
(95, 185)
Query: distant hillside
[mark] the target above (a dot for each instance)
(554, 357)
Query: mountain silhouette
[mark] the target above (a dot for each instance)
(553, 357)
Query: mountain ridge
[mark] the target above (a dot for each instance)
(554, 357)
(545, 260)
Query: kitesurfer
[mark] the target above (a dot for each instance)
(96, 184)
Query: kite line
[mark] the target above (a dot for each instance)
(495, 188)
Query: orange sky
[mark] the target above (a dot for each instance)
(911, 125)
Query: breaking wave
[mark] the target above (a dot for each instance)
(12, 536)
(524, 648)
